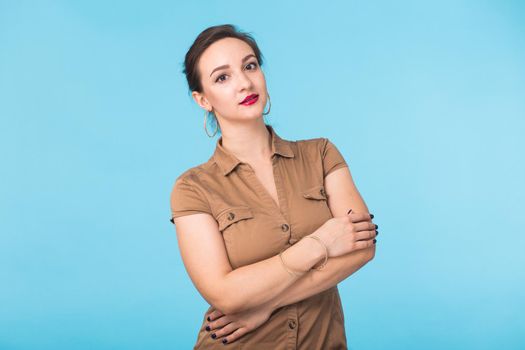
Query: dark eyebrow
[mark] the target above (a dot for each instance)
(228, 66)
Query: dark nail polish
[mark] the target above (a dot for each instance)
(375, 240)
(377, 233)
(209, 320)
(377, 226)
(208, 328)
(213, 335)
(371, 216)
(224, 341)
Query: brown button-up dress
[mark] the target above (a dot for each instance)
(254, 228)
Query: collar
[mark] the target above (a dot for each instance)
(227, 161)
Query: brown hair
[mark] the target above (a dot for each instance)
(203, 41)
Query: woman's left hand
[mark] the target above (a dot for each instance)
(232, 327)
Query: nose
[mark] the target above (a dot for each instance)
(244, 81)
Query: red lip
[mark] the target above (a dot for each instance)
(248, 98)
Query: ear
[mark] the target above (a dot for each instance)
(201, 100)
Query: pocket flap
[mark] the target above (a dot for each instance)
(315, 192)
(232, 215)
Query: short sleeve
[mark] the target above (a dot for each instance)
(185, 199)
(332, 158)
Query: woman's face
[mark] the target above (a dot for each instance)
(224, 88)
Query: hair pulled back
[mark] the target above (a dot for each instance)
(203, 41)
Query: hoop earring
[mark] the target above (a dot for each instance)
(205, 124)
(270, 104)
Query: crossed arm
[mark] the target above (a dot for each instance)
(315, 282)
(213, 276)
(342, 196)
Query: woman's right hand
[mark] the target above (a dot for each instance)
(345, 234)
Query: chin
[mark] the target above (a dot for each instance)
(252, 116)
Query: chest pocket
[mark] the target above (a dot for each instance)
(314, 209)
(316, 193)
(233, 215)
(240, 232)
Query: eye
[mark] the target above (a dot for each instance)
(219, 80)
(219, 77)
(254, 64)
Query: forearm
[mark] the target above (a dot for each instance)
(314, 282)
(259, 283)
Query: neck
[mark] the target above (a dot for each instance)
(249, 142)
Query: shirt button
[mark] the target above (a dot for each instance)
(291, 324)
(231, 216)
(285, 227)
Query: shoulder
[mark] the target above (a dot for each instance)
(201, 179)
(189, 194)
(316, 145)
(320, 150)
(194, 175)
(189, 184)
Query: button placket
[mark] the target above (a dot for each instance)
(285, 227)
(292, 326)
(281, 193)
(282, 209)
(262, 191)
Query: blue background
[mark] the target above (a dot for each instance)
(426, 101)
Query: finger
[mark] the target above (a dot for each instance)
(354, 212)
(364, 226)
(226, 330)
(219, 322)
(364, 244)
(357, 217)
(235, 335)
(364, 235)
(214, 315)
(212, 308)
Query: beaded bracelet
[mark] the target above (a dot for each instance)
(325, 252)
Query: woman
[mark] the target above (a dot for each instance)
(264, 226)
